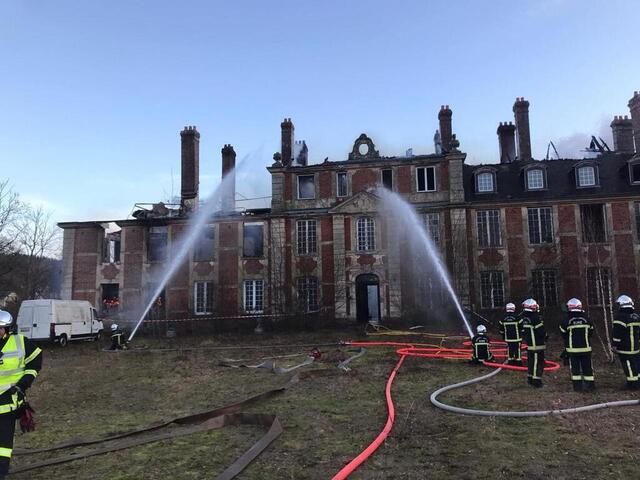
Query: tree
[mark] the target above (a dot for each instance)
(10, 210)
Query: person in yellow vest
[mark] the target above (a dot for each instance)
(511, 330)
(577, 330)
(20, 362)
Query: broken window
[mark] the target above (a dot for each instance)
(110, 298)
(540, 225)
(489, 228)
(593, 223)
(308, 294)
(587, 176)
(253, 294)
(111, 248)
(157, 244)
(432, 222)
(634, 171)
(492, 289)
(366, 233)
(598, 286)
(426, 179)
(253, 239)
(306, 187)
(387, 179)
(306, 237)
(484, 182)
(342, 184)
(544, 287)
(205, 244)
(203, 297)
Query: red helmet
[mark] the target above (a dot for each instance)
(574, 305)
(530, 305)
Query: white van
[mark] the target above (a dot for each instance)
(59, 320)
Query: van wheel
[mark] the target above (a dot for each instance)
(63, 340)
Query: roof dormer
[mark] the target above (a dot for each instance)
(587, 174)
(485, 180)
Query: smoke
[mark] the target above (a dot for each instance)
(573, 146)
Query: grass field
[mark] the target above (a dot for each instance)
(327, 420)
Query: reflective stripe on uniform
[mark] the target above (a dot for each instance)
(31, 372)
(576, 377)
(588, 378)
(35, 353)
(5, 452)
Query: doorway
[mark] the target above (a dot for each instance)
(368, 298)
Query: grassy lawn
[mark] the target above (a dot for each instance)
(327, 420)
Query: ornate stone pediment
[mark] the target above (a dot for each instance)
(363, 149)
(361, 202)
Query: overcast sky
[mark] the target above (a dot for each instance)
(94, 93)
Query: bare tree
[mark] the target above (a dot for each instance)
(10, 210)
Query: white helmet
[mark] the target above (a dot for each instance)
(6, 320)
(530, 305)
(574, 305)
(510, 307)
(624, 301)
(481, 329)
(114, 327)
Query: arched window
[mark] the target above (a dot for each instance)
(366, 232)
(485, 182)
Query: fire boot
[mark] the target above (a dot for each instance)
(536, 382)
(589, 386)
(577, 385)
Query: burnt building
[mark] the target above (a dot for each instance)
(550, 229)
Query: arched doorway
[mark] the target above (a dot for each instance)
(368, 298)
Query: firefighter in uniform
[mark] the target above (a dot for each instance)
(534, 335)
(626, 340)
(118, 341)
(510, 328)
(481, 346)
(20, 362)
(577, 331)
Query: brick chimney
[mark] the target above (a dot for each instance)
(287, 141)
(622, 129)
(507, 141)
(634, 107)
(521, 114)
(228, 200)
(190, 178)
(444, 116)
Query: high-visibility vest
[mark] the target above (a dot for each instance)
(12, 369)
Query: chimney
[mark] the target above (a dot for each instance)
(634, 106)
(190, 178)
(521, 114)
(622, 129)
(507, 141)
(287, 141)
(228, 200)
(444, 116)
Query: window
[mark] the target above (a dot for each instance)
(308, 294)
(366, 233)
(598, 286)
(540, 225)
(634, 172)
(432, 222)
(306, 187)
(636, 208)
(341, 182)
(306, 237)
(253, 294)
(111, 248)
(484, 182)
(489, 228)
(544, 287)
(252, 240)
(593, 223)
(587, 176)
(426, 179)
(387, 179)
(491, 289)
(157, 244)
(205, 244)
(203, 297)
(535, 179)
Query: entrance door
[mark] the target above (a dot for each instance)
(368, 298)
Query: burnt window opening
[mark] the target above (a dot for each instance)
(634, 172)
(157, 309)
(253, 240)
(432, 223)
(492, 289)
(203, 298)
(426, 179)
(253, 296)
(205, 245)
(110, 298)
(540, 225)
(342, 185)
(306, 187)
(307, 237)
(598, 286)
(594, 228)
(488, 222)
(111, 248)
(157, 244)
(544, 287)
(308, 294)
(387, 179)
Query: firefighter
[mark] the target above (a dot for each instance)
(577, 331)
(510, 328)
(20, 362)
(626, 340)
(118, 341)
(534, 335)
(481, 346)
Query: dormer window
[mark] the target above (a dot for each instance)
(634, 172)
(535, 179)
(485, 182)
(586, 176)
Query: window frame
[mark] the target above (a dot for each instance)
(346, 184)
(492, 175)
(596, 176)
(160, 231)
(305, 283)
(585, 235)
(541, 290)
(488, 230)
(198, 247)
(298, 192)
(366, 225)
(382, 175)
(434, 233)
(539, 221)
(497, 301)
(307, 240)
(631, 164)
(254, 304)
(543, 179)
(207, 303)
(426, 183)
(244, 251)
(592, 286)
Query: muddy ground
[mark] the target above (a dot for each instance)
(327, 420)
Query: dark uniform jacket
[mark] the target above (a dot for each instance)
(533, 332)
(577, 330)
(511, 328)
(481, 347)
(33, 363)
(626, 331)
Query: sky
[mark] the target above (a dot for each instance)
(93, 95)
